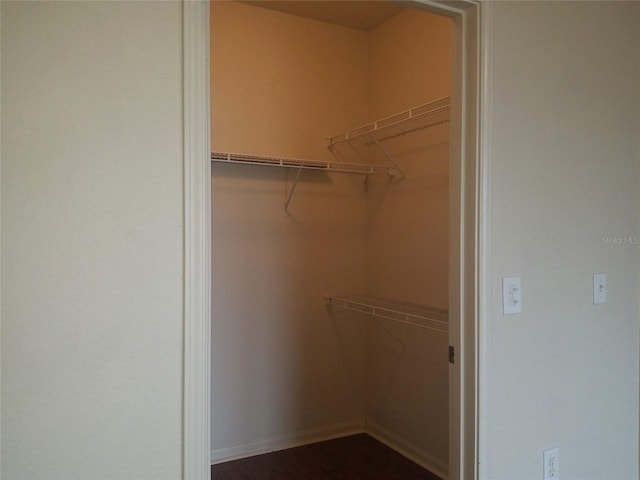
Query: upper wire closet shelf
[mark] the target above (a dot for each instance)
(412, 120)
(298, 163)
(302, 164)
(422, 316)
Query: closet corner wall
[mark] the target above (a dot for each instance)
(286, 369)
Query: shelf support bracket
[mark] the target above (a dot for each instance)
(334, 152)
(328, 302)
(293, 189)
(391, 334)
(386, 154)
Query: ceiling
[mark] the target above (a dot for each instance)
(360, 14)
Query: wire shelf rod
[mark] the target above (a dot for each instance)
(410, 315)
(424, 112)
(333, 167)
(404, 132)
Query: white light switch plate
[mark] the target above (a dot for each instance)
(511, 295)
(599, 288)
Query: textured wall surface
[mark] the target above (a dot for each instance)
(564, 161)
(91, 240)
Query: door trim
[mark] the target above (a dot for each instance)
(197, 240)
(484, 239)
(470, 205)
(467, 206)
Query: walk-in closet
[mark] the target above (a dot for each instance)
(330, 226)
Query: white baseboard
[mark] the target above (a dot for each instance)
(294, 439)
(407, 449)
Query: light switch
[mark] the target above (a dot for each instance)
(511, 295)
(599, 288)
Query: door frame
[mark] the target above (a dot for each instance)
(466, 225)
(468, 209)
(196, 396)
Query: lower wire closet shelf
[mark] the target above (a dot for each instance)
(422, 316)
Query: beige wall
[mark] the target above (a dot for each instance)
(407, 237)
(91, 240)
(407, 221)
(280, 85)
(564, 161)
(282, 370)
(408, 53)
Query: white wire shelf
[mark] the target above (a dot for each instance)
(298, 163)
(414, 119)
(302, 164)
(421, 316)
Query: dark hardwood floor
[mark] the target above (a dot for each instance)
(358, 457)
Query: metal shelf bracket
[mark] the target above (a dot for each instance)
(293, 189)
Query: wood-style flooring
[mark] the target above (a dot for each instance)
(357, 457)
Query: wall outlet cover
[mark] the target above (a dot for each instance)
(511, 295)
(552, 464)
